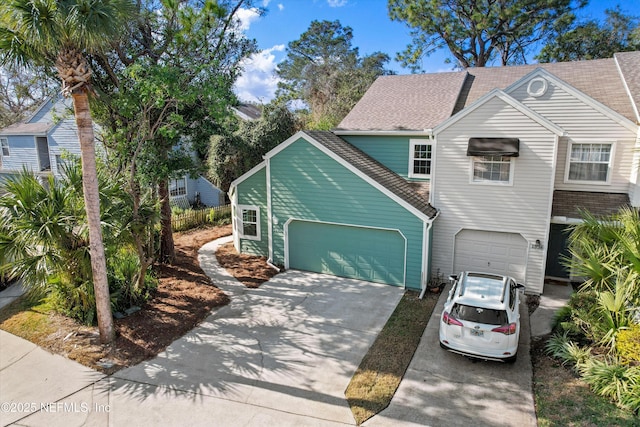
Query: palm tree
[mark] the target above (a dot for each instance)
(49, 32)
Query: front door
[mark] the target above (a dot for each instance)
(558, 252)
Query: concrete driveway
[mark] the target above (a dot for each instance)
(441, 388)
(281, 355)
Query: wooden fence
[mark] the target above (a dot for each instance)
(193, 218)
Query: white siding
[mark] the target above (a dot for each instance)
(583, 123)
(634, 192)
(522, 208)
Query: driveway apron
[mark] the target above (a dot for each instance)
(442, 388)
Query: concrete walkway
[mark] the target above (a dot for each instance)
(10, 294)
(555, 296)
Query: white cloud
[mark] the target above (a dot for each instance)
(337, 3)
(258, 82)
(247, 17)
(280, 7)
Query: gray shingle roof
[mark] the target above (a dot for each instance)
(26, 129)
(600, 79)
(569, 203)
(406, 102)
(629, 63)
(423, 101)
(248, 111)
(374, 169)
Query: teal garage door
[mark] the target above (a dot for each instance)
(370, 254)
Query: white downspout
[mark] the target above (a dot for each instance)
(427, 228)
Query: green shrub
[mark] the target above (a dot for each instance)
(612, 380)
(75, 299)
(190, 218)
(220, 215)
(123, 269)
(631, 398)
(563, 315)
(176, 210)
(628, 345)
(561, 347)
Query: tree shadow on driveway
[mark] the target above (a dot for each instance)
(292, 345)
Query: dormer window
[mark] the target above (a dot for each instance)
(420, 158)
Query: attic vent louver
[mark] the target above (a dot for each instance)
(509, 147)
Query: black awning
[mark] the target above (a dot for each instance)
(494, 147)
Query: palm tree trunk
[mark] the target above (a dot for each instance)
(92, 206)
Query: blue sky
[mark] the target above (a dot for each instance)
(373, 31)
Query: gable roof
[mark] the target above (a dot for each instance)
(629, 65)
(361, 164)
(29, 126)
(374, 170)
(247, 111)
(406, 102)
(27, 129)
(423, 101)
(499, 94)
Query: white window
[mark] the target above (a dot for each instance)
(589, 162)
(420, 159)
(492, 169)
(249, 222)
(178, 187)
(4, 142)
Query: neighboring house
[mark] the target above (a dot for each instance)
(40, 143)
(481, 169)
(247, 112)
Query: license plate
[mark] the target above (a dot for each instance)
(476, 333)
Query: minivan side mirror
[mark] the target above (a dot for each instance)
(453, 277)
(519, 286)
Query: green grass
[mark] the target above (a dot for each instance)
(381, 370)
(562, 399)
(27, 319)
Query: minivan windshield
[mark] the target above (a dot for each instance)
(487, 316)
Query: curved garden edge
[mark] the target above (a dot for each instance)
(184, 298)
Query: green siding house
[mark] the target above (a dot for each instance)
(429, 175)
(318, 203)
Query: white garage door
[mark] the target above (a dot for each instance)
(491, 252)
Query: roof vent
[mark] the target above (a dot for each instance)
(537, 87)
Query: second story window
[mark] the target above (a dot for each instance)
(4, 142)
(589, 162)
(492, 169)
(420, 159)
